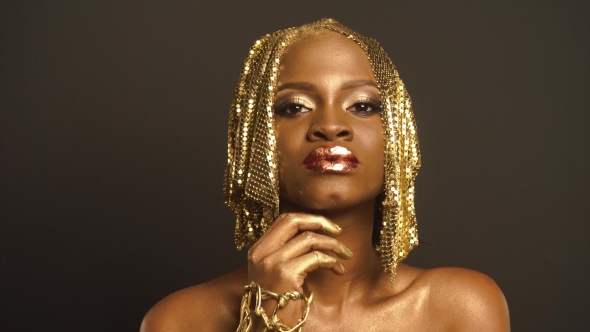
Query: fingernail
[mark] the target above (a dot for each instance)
(337, 227)
(347, 252)
(343, 269)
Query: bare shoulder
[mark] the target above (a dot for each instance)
(212, 306)
(471, 300)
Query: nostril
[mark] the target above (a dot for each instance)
(320, 135)
(343, 133)
(330, 135)
(328, 127)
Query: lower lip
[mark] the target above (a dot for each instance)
(330, 159)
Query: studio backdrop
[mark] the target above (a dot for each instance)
(113, 129)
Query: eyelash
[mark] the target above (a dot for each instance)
(284, 108)
(373, 104)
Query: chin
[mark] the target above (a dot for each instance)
(322, 193)
(323, 202)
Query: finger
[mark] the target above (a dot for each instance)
(310, 241)
(287, 225)
(317, 260)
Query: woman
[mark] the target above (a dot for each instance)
(322, 158)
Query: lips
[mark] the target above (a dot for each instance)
(331, 159)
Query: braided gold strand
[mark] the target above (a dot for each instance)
(274, 323)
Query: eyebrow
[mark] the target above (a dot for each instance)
(310, 87)
(297, 86)
(358, 83)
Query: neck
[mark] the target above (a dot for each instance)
(363, 269)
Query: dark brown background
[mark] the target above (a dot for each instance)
(113, 133)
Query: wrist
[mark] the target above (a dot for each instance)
(263, 309)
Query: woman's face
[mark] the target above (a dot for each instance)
(328, 126)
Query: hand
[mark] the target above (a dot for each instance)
(290, 249)
(281, 259)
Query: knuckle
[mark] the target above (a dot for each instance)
(266, 264)
(317, 255)
(253, 256)
(286, 216)
(308, 235)
(293, 218)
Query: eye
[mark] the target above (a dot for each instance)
(290, 108)
(365, 107)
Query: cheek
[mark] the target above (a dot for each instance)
(373, 140)
(376, 171)
(374, 145)
(287, 152)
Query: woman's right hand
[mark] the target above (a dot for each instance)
(292, 247)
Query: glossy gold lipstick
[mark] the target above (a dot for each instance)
(331, 159)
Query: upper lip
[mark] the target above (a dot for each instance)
(331, 154)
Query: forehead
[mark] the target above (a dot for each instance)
(325, 54)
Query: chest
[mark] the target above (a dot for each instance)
(411, 315)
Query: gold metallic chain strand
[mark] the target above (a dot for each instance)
(273, 323)
(251, 178)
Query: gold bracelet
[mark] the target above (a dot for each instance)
(253, 289)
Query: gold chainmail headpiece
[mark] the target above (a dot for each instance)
(251, 186)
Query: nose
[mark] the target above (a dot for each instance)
(329, 124)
